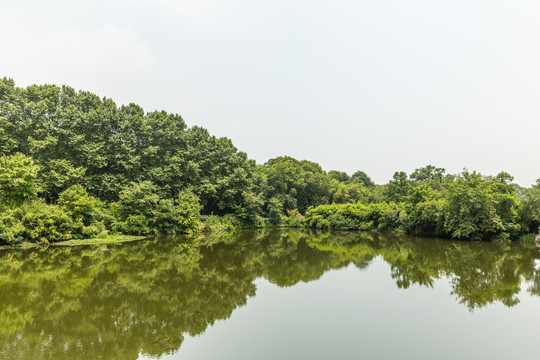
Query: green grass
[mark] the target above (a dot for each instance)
(113, 239)
(98, 241)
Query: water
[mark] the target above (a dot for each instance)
(280, 294)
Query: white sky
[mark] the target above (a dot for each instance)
(378, 86)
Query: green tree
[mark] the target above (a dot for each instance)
(275, 211)
(428, 173)
(398, 189)
(18, 178)
(477, 209)
(530, 211)
(80, 205)
(363, 178)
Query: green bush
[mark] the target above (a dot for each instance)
(134, 225)
(294, 218)
(275, 211)
(36, 221)
(79, 205)
(141, 211)
(18, 179)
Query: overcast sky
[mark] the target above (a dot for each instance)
(378, 86)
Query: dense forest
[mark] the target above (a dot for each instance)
(74, 166)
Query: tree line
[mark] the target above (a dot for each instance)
(74, 165)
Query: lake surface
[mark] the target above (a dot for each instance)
(272, 294)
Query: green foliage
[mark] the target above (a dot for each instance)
(294, 218)
(249, 211)
(398, 189)
(530, 211)
(18, 178)
(186, 212)
(300, 183)
(36, 221)
(428, 173)
(469, 206)
(118, 169)
(275, 211)
(79, 138)
(81, 206)
(362, 178)
(340, 176)
(142, 211)
(480, 207)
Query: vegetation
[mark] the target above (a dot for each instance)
(466, 206)
(76, 166)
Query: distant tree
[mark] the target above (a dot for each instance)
(339, 175)
(530, 211)
(363, 178)
(399, 187)
(300, 184)
(477, 208)
(428, 172)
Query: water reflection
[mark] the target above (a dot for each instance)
(118, 301)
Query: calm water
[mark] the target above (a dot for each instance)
(272, 295)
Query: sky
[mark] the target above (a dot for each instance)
(378, 86)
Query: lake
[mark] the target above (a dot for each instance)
(272, 294)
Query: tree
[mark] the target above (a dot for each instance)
(18, 178)
(530, 211)
(340, 176)
(398, 189)
(477, 210)
(78, 204)
(275, 211)
(428, 173)
(363, 178)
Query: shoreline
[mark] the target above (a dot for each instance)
(118, 239)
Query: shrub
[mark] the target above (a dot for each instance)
(294, 218)
(18, 178)
(81, 206)
(141, 211)
(36, 221)
(275, 211)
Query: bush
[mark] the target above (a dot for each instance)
(36, 221)
(275, 211)
(18, 179)
(81, 206)
(294, 218)
(141, 211)
(135, 225)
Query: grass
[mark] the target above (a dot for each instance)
(98, 241)
(113, 239)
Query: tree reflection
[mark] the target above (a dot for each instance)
(118, 301)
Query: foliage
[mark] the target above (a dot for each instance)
(530, 211)
(79, 138)
(142, 211)
(81, 206)
(363, 178)
(468, 206)
(18, 178)
(36, 221)
(119, 169)
(294, 218)
(480, 207)
(275, 211)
